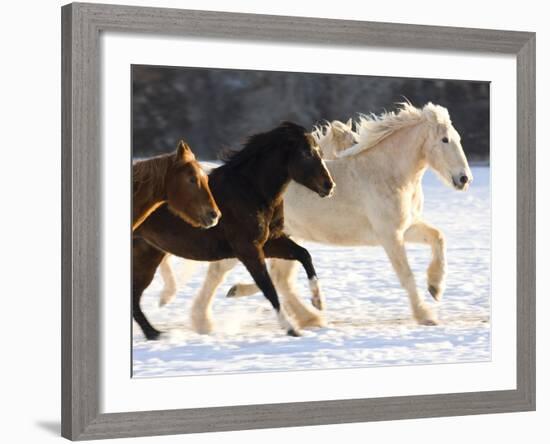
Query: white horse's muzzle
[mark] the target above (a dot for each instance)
(462, 180)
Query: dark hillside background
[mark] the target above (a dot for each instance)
(216, 108)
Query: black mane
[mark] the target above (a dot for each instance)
(286, 134)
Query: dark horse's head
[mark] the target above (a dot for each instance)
(287, 147)
(187, 190)
(307, 166)
(305, 163)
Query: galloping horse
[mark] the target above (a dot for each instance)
(178, 179)
(378, 201)
(331, 138)
(249, 189)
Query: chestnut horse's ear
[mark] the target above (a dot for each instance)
(184, 152)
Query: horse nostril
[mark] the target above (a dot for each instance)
(464, 180)
(327, 185)
(213, 214)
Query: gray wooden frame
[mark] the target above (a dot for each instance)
(81, 231)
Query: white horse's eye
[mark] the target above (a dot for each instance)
(445, 140)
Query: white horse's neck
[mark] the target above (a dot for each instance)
(399, 158)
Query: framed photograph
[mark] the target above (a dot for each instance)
(278, 221)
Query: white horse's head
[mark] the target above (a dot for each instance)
(443, 150)
(334, 137)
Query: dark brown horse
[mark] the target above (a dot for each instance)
(249, 189)
(177, 179)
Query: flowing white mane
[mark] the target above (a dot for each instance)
(334, 137)
(320, 132)
(372, 129)
(323, 132)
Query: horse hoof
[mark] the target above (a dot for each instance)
(293, 333)
(429, 322)
(166, 298)
(318, 304)
(203, 328)
(232, 292)
(153, 335)
(435, 292)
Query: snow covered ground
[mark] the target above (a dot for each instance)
(369, 319)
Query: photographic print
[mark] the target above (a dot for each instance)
(290, 221)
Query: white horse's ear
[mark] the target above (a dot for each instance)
(349, 123)
(436, 114)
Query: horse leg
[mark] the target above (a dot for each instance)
(285, 248)
(421, 232)
(145, 260)
(283, 273)
(170, 288)
(201, 308)
(395, 249)
(254, 261)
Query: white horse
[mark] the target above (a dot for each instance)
(377, 201)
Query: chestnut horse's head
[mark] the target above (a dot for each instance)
(306, 165)
(187, 190)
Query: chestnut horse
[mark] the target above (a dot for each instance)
(249, 189)
(177, 179)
